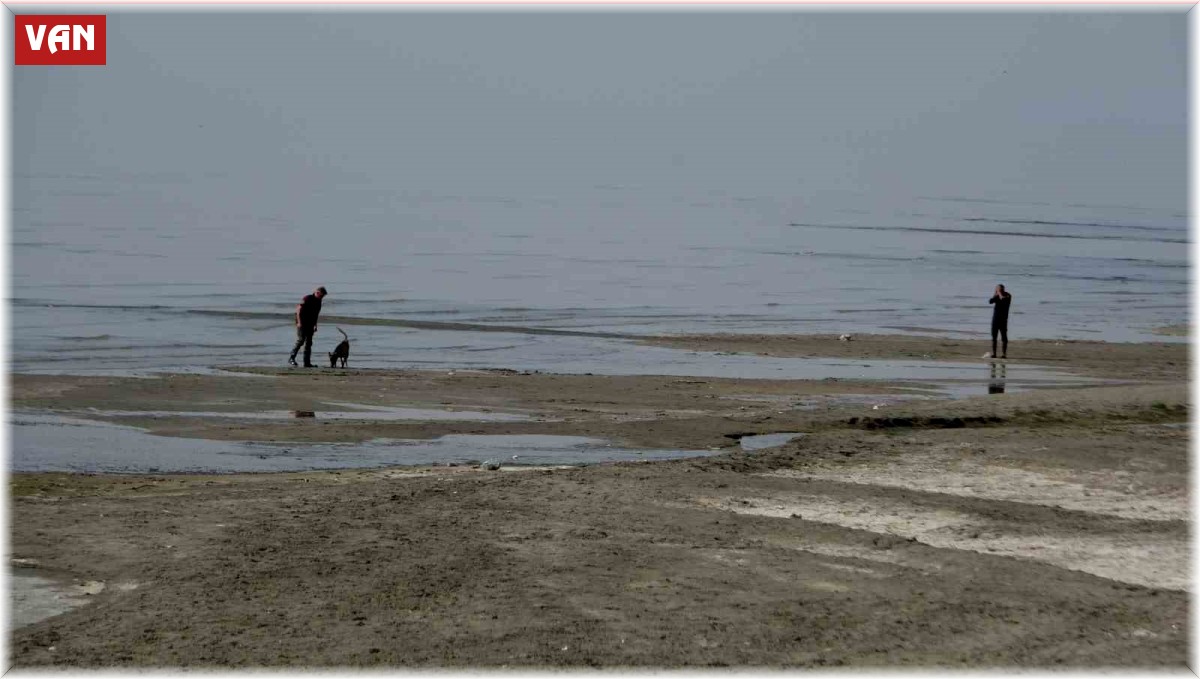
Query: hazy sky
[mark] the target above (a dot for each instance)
(1066, 107)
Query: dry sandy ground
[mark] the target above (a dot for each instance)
(1036, 530)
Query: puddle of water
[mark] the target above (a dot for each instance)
(360, 412)
(33, 598)
(42, 443)
(367, 412)
(761, 441)
(1000, 377)
(526, 449)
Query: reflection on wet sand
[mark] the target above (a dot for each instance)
(998, 378)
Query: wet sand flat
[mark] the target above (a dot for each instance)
(1146, 360)
(1038, 529)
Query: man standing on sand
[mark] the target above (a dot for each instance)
(1002, 300)
(306, 324)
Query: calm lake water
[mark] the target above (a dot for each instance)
(507, 190)
(129, 272)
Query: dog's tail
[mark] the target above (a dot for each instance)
(344, 335)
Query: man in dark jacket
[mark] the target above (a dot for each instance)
(307, 312)
(1002, 301)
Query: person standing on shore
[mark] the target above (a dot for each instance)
(307, 312)
(1002, 301)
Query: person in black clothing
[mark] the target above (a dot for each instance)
(1002, 301)
(306, 324)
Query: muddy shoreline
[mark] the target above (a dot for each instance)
(1039, 529)
(1145, 360)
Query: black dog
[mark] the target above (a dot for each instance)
(341, 351)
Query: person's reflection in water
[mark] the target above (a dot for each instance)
(998, 378)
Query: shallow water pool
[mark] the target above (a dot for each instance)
(45, 443)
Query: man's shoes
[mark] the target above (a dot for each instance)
(292, 361)
(309, 365)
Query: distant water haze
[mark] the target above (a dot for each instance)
(618, 172)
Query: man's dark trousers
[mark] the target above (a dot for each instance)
(304, 338)
(1001, 330)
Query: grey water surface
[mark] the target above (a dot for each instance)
(55, 443)
(752, 172)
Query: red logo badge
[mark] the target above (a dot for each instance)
(60, 40)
